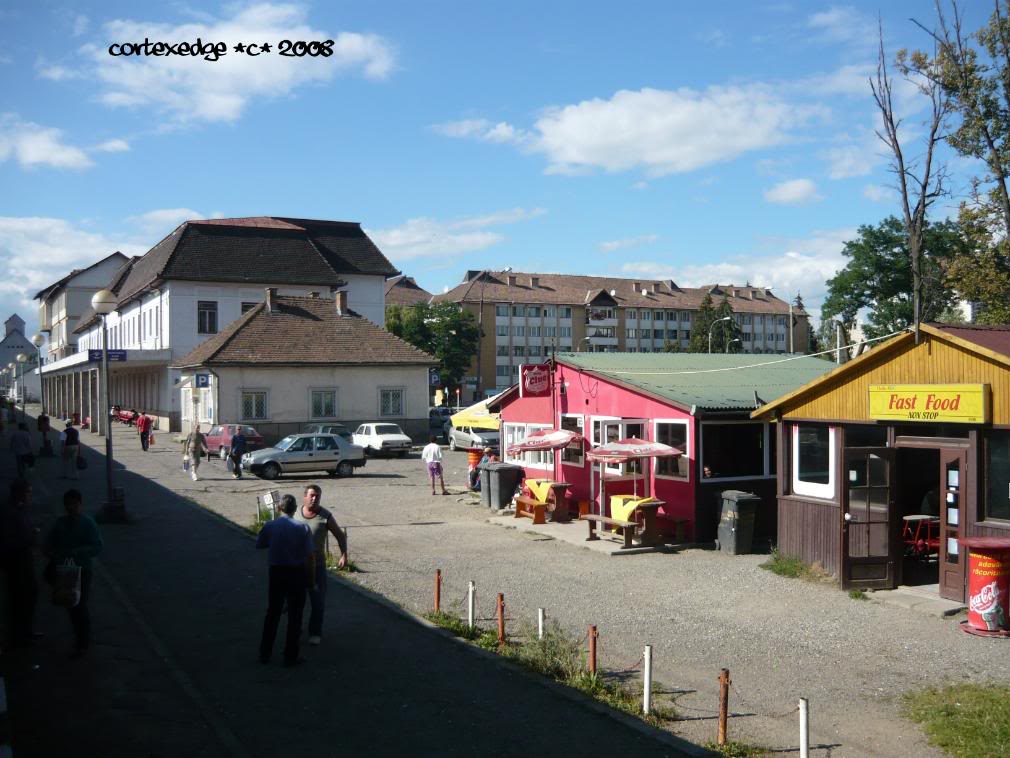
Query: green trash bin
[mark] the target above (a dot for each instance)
(736, 526)
(505, 477)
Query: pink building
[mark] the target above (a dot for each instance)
(697, 403)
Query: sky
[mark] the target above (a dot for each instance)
(720, 142)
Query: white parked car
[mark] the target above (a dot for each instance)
(386, 439)
(305, 452)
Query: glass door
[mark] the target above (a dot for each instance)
(953, 473)
(869, 524)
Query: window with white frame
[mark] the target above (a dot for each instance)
(518, 310)
(247, 306)
(573, 455)
(631, 314)
(631, 333)
(550, 331)
(564, 331)
(254, 405)
(813, 455)
(501, 310)
(518, 351)
(502, 370)
(533, 312)
(515, 433)
(534, 350)
(658, 315)
(534, 331)
(645, 315)
(734, 450)
(515, 369)
(186, 398)
(323, 403)
(565, 312)
(206, 317)
(501, 330)
(550, 312)
(673, 432)
(502, 350)
(518, 331)
(392, 401)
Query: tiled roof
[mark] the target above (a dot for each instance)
(303, 331)
(403, 290)
(572, 289)
(44, 293)
(995, 338)
(708, 382)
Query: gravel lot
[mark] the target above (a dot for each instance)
(781, 639)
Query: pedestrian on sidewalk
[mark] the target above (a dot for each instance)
(71, 440)
(75, 536)
(144, 424)
(21, 445)
(320, 522)
(291, 560)
(42, 423)
(195, 447)
(432, 457)
(239, 445)
(18, 536)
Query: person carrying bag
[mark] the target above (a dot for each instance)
(195, 447)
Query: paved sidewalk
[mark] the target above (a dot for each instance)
(177, 607)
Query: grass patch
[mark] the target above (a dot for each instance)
(963, 719)
(792, 567)
(858, 595)
(262, 517)
(453, 624)
(350, 568)
(737, 749)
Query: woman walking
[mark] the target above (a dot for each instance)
(195, 447)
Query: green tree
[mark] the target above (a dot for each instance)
(700, 325)
(440, 329)
(726, 337)
(878, 277)
(669, 346)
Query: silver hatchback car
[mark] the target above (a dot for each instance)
(298, 453)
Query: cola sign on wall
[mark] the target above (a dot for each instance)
(534, 380)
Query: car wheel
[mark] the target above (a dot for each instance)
(331, 472)
(452, 443)
(345, 468)
(222, 452)
(271, 471)
(402, 453)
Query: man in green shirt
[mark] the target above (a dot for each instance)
(75, 536)
(320, 523)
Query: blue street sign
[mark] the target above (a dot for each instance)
(115, 356)
(203, 380)
(434, 378)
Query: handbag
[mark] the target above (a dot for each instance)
(82, 462)
(150, 438)
(185, 462)
(67, 584)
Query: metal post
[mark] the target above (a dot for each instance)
(113, 510)
(647, 685)
(723, 705)
(501, 619)
(471, 603)
(804, 728)
(540, 623)
(592, 649)
(438, 590)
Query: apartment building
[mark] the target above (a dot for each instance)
(526, 315)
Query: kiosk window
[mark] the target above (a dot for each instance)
(813, 455)
(997, 502)
(732, 450)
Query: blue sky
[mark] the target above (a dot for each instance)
(723, 142)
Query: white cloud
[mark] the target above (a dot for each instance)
(878, 194)
(113, 146)
(79, 25)
(32, 145)
(658, 131)
(715, 38)
(57, 72)
(612, 245)
(843, 24)
(163, 221)
(190, 88)
(793, 192)
(427, 237)
(849, 81)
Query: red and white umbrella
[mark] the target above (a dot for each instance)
(545, 439)
(632, 447)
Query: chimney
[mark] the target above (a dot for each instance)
(341, 302)
(271, 295)
(512, 280)
(314, 295)
(534, 281)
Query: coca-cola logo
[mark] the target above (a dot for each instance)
(537, 380)
(986, 599)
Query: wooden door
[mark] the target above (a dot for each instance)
(952, 558)
(869, 520)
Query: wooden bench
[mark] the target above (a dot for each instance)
(627, 527)
(528, 506)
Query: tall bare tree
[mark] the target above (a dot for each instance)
(919, 178)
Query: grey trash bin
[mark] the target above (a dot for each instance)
(504, 478)
(736, 526)
(485, 484)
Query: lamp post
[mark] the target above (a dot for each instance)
(24, 395)
(38, 341)
(710, 328)
(735, 339)
(104, 302)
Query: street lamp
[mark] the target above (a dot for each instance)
(104, 302)
(735, 339)
(24, 395)
(724, 318)
(38, 340)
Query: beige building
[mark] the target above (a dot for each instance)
(524, 315)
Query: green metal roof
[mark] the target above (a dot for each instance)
(709, 382)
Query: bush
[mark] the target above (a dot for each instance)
(792, 567)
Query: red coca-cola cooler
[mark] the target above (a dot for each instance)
(988, 586)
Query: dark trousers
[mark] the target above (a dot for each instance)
(236, 459)
(22, 594)
(80, 619)
(287, 583)
(144, 437)
(317, 598)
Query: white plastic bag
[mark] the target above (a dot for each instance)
(185, 462)
(67, 584)
(230, 463)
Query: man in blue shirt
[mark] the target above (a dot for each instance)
(291, 557)
(239, 445)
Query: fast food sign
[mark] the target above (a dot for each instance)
(939, 403)
(535, 380)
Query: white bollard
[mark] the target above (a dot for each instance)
(540, 623)
(804, 728)
(647, 694)
(470, 603)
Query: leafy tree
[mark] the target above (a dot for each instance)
(726, 337)
(440, 329)
(699, 328)
(669, 346)
(878, 277)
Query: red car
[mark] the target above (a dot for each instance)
(219, 438)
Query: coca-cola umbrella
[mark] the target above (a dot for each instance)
(622, 451)
(545, 439)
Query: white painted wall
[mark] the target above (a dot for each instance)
(367, 295)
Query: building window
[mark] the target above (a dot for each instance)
(564, 331)
(534, 331)
(502, 370)
(246, 307)
(685, 334)
(514, 433)
(671, 334)
(550, 312)
(518, 351)
(746, 318)
(532, 312)
(206, 317)
(734, 451)
(745, 336)
(674, 434)
(501, 330)
(565, 347)
(254, 405)
(502, 350)
(658, 316)
(518, 331)
(515, 369)
(324, 403)
(392, 401)
(573, 454)
(550, 331)
(997, 474)
(565, 312)
(813, 449)
(657, 334)
(632, 313)
(533, 350)
(631, 333)
(518, 310)
(780, 338)
(501, 310)
(632, 349)
(645, 316)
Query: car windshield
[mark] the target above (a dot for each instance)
(387, 429)
(248, 431)
(285, 443)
